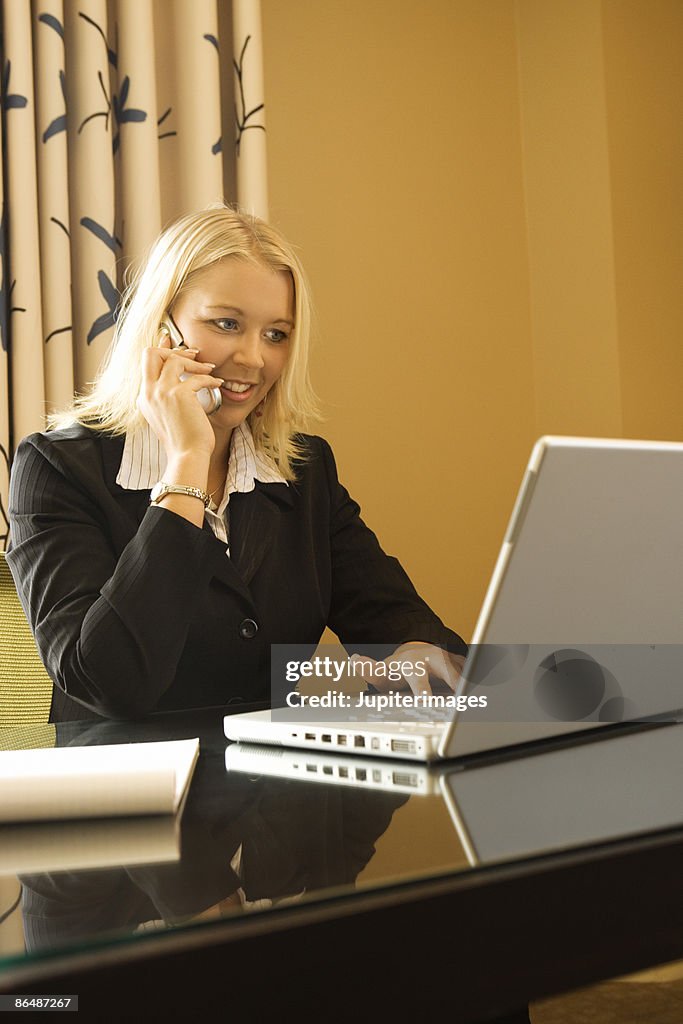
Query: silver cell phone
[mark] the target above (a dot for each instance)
(210, 399)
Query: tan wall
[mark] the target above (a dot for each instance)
(487, 196)
(644, 88)
(567, 198)
(394, 162)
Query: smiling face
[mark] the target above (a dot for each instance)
(240, 315)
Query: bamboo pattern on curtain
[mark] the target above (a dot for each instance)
(117, 116)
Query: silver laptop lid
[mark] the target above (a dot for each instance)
(591, 563)
(594, 548)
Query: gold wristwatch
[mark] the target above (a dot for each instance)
(161, 489)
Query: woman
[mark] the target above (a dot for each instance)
(249, 538)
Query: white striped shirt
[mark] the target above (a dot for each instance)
(144, 461)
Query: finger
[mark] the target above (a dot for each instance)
(197, 381)
(381, 675)
(164, 352)
(414, 661)
(155, 356)
(444, 666)
(424, 663)
(195, 366)
(419, 684)
(174, 366)
(186, 356)
(365, 668)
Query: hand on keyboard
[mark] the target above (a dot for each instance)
(420, 667)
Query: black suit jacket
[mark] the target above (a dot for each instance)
(136, 610)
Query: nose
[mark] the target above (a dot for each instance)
(248, 351)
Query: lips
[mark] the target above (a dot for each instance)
(238, 386)
(238, 390)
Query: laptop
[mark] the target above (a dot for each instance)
(580, 624)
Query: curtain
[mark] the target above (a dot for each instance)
(117, 117)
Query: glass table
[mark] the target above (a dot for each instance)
(320, 882)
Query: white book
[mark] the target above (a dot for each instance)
(79, 845)
(95, 782)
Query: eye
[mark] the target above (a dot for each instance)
(275, 335)
(227, 324)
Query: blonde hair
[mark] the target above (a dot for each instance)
(193, 243)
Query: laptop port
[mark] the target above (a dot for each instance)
(359, 741)
(404, 779)
(361, 774)
(404, 746)
(341, 740)
(343, 773)
(326, 738)
(311, 767)
(309, 735)
(327, 770)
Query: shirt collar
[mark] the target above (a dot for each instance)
(143, 463)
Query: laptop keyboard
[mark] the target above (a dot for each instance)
(422, 718)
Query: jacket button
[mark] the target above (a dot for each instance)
(248, 629)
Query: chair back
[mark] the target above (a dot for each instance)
(25, 686)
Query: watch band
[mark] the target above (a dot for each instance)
(161, 489)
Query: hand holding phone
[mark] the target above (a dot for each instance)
(210, 399)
